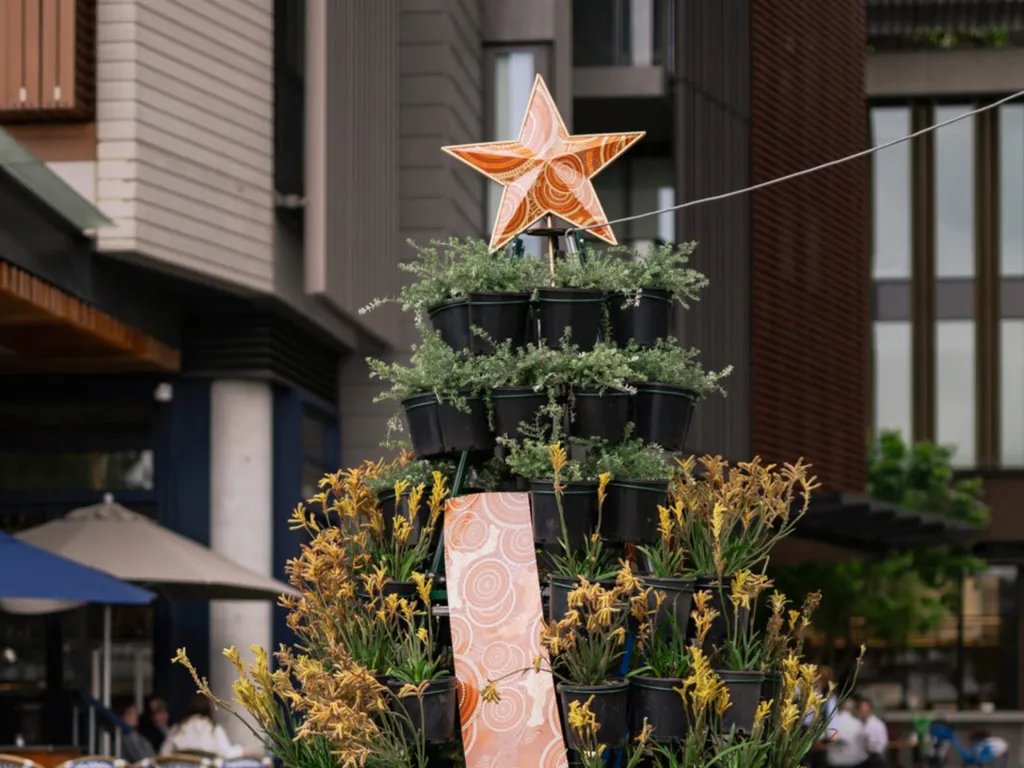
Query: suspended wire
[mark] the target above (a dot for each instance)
(806, 171)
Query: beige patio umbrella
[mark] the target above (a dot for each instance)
(134, 548)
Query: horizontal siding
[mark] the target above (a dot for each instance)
(185, 134)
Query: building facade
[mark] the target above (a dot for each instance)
(260, 165)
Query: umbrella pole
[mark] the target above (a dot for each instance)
(107, 653)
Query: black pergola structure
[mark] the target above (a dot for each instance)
(857, 522)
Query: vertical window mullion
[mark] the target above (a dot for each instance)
(987, 309)
(923, 275)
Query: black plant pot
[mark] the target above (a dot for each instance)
(745, 695)
(436, 718)
(771, 686)
(501, 316)
(579, 309)
(439, 428)
(662, 414)
(645, 323)
(579, 503)
(390, 510)
(674, 612)
(630, 513)
(610, 707)
(657, 700)
(559, 588)
(513, 405)
(601, 415)
(728, 615)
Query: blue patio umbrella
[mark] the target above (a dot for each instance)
(30, 573)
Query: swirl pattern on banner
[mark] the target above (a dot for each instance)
(495, 614)
(546, 171)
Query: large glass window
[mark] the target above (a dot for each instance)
(955, 388)
(1011, 190)
(954, 193)
(891, 193)
(1011, 393)
(892, 376)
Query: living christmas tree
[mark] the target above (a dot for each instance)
(545, 577)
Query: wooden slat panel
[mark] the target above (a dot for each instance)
(49, 51)
(47, 60)
(10, 83)
(32, 52)
(64, 93)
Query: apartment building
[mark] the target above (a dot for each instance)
(198, 195)
(947, 269)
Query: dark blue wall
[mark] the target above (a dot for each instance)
(183, 482)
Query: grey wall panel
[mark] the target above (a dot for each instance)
(712, 129)
(352, 158)
(440, 96)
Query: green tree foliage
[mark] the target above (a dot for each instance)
(901, 593)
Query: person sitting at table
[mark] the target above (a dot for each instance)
(877, 733)
(155, 722)
(197, 733)
(134, 746)
(849, 744)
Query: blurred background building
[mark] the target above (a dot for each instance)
(199, 195)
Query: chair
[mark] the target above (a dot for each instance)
(94, 761)
(245, 761)
(12, 761)
(176, 761)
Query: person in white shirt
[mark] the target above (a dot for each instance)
(197, 733)
(877, 733)
(849, 744)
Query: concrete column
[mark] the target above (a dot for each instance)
(241, 523)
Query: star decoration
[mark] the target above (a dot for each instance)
(546, 171)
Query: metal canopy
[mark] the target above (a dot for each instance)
(857, 522)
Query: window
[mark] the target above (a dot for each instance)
(948, 265)
(954, 194)
(1011, 393)
(892, 376)
(954, 388)
(1011, 190)
(891, 193)
(639, 184)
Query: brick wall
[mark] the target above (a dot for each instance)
(809, 270)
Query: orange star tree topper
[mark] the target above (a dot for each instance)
(546, 171)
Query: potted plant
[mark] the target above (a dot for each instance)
(442, 397)
(639, 486)
(655, 686)
(586, 648)
(730, 518)
(592, 751)
(574, 305)
(420, 677)
(665, 562)
(392, 483)
(595, 383)
(784, 635)
(462, 287)
(568, 515)
(741, 657)
(669, 382)
(640, 307)
(516, 380)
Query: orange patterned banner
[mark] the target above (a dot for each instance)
(494, 600)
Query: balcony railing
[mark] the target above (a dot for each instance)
(623, 33)
(47, 60)
(944, 23)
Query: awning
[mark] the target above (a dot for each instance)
(857, 522)
(44, 329)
